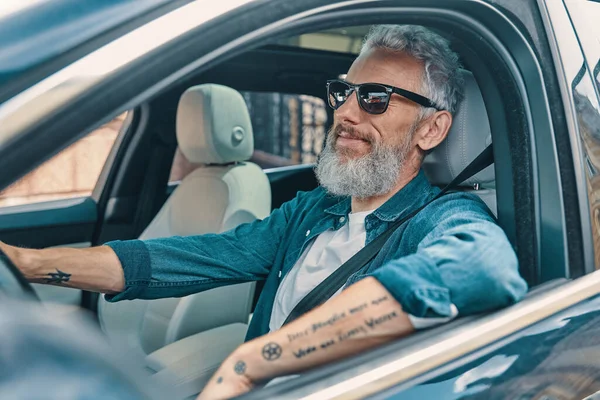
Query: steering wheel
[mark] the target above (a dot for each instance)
(12, 282)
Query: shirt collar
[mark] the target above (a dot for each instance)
(410, 197)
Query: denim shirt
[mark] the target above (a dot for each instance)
(451, 252)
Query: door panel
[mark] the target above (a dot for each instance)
(49, 224)
(553, 359)
(68, 223)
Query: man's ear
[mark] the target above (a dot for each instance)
(434, 130)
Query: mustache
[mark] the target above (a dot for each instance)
(350, 130)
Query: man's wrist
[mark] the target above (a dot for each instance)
(28, 261)
(17, 256)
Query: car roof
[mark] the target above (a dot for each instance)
(32, 34)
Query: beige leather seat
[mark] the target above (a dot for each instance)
(469, 135)
(213, 129)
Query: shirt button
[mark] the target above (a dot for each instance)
(308, 232)
(279, 275)
(342, 219)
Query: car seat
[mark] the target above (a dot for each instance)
(469, 135)
(213, 129)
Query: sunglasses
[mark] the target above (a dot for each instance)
(374, 98)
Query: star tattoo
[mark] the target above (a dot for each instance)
(240, 367)
(271, 351)
(58, 277)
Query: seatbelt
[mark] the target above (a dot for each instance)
(322, 292)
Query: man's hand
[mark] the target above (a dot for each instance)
(363, 316)
(11, 251)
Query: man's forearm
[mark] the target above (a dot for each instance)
(361, 317)
(96, 269)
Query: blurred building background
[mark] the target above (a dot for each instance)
(288, 130)
(71, 173)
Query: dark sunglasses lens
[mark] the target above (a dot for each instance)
(337, 94)
(373, 98)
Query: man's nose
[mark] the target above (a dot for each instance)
(350, 111)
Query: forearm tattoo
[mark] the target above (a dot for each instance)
(342, 335)
(240, 367)
(58, 277)
(271, 351)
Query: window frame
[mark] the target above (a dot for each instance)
(562, 40)
(549, 197)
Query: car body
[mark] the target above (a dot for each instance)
(537, 64)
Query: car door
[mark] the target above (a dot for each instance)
(553, 355)
(548, 208)
(56, 203)
(59, 203)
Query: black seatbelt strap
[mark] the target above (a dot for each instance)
(322, 292)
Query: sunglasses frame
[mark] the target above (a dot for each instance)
(414, 97)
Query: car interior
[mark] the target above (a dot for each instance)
(185, 340)
(205, 117)
(230, 190)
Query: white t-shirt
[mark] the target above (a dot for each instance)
(324, 255)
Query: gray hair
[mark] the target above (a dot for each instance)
(442, 81)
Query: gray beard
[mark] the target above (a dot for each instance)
(371, 175)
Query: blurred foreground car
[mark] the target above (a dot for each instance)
(533, 76)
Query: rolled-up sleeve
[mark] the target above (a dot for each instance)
(178, 266)
(464, 259)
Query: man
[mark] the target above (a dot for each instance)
(450, 258)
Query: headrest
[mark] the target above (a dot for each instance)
(213, 125)
(469, 135)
